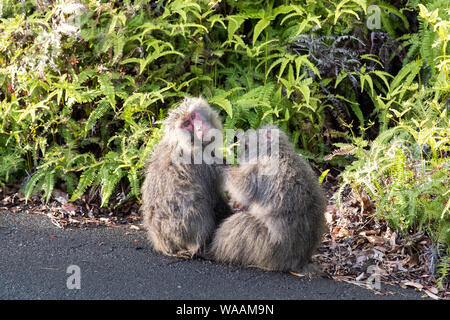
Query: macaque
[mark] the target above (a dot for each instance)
(282, 221)
(182, 203)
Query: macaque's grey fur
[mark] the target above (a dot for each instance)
(182, 203)
(283, 218)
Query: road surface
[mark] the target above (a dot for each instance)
(118, 263)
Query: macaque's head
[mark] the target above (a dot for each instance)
(261, 144)
(193, 120)
(261, 151)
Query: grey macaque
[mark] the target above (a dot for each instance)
(283, 221)
(182, 203)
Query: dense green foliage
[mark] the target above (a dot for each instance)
(84, 85)
(407, 167)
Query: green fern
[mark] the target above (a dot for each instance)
(135, 182)
(107, 89)
(427, 42)
(109, 178)
(86, 179)
(97, 113)
(35, 182)
(49, 184)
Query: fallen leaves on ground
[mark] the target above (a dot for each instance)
(63, 213)
(360, 248)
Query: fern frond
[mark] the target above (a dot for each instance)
(49, 184)
(107, 88)
(86, 179)
(109, 180)
(102, 107)
(30, 186)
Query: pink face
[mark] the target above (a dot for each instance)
(196, 124)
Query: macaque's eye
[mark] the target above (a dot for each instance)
(193, 116)
(186, 124)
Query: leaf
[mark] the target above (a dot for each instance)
(283, 9)
(383, 76)
(338, 13)
(357, 110)
(343, 150)
(260, 26)
(134, 182)
(408, 71)
(297, 274)
(299, 11)
(323, 175)
(341, 76)
(49, 183)
(302, 26)
(234, 22)
(96, 114)
(432, 295)
(107, 88)
(303, 60)
(366, 78)
(304, 89)
(224, 103)
(413, 284)
(109, 180)
(393, 10)
(119, 43)
(216, 18)
(29, 188)
(86, 179)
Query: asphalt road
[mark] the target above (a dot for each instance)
(118, 263)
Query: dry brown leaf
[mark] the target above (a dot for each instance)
(297, 274)
(328, 217)
(368, 232)
(340, 232)
(69, 207)
(432, 295)
(433, 290)
(376, 240)
(341, 151)
(413, 284)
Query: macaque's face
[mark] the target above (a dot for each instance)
(197, 124)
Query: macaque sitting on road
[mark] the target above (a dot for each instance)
(282, 221)
(182, 203)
